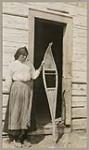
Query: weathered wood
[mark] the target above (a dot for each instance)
(78, 61)
(79, 89)
(73, 3)
(67, 94)
(15, 22)
(76, 64)
(80, 48)
(80, 20)
(79, 45)
(8, 58)
(5, 100)
(68, 7)
(76, 113)
(82, 12)
(82, 28)
(79, 123)
(3, 117)
(67, 71)
(79, 112)
(79, 32)
(4, 72)
(8, 49)
(23, 10)
(79, 76)
(79, 86)
(15, 8)
(78, 4)
(81, 39)
(15, 35)
(79, 101)
(3, 114)
(79, 98)
(76, 104)
(9, 52)
(3, 88)
(76, 101)
(13, 45)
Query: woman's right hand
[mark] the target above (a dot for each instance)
(43, 62)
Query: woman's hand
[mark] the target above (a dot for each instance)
(42, 63)
(41, 66)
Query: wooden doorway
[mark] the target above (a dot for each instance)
(45, 32)
(44, 28)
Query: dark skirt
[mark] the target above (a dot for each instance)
(18, 114)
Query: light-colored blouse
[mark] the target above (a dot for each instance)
(20, 72)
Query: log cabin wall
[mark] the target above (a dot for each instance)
(15, 34)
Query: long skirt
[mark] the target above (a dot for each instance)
(18, 114)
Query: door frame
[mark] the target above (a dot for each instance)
(67, 51)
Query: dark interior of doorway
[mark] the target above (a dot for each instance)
(45, 32)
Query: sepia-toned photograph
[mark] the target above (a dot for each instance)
(44, 75)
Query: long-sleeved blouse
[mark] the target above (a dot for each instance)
(18, 71)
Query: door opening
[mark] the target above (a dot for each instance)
(45, 32)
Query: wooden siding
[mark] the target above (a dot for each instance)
(15, 34)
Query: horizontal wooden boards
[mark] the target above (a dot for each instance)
(79, 61)
(79, 40)
(15, 8)
(8, 58)
(5, 100)
(79, 65)
(79, 89)
(79, 48)
(15, 22)
(78, 31)
(77, 104)
(15, 35)
(83, 4)
(3, 114)
(80, 112)
(79, 123)
(9, 46)
(21, 8)
(79, 101)
(80, 20)
(79, 76)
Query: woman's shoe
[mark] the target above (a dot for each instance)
(27, 144)
(17, 144)
(9, 141)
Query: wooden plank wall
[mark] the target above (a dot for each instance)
(15, 34)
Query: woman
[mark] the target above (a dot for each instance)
(18, 84)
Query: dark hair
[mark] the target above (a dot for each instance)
(21, 51)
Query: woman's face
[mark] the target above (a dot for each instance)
(22, 57)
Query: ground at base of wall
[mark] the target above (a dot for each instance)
(68, 140)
